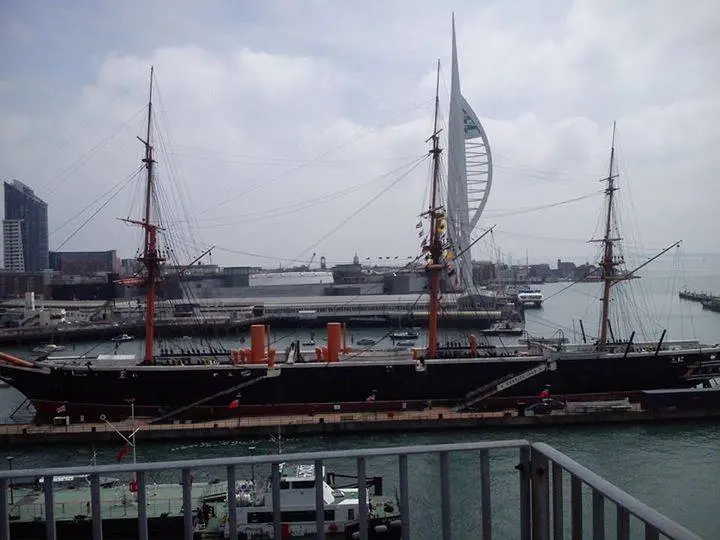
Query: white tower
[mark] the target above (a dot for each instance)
(469, 172)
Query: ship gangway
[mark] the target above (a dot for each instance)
(547, 483)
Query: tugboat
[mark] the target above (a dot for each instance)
(297, 500)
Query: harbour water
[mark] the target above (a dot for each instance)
(672, 467)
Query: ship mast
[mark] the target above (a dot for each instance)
(150, 257)
(435, 247)
(608, 264)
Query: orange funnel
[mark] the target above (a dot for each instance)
(257, 343)
(334, 332)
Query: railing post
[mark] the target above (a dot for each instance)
(485, 494)
(651, 533)
(524, 468)
(445, 495)
(623, 523)
(319, 501)
(277, 523)
(142, 505)
(576, 506)
(598, 515)
(231, 502)
(187, 504)
(404, 496)
(50, 531)
(362, 498)
(4, 509)
(95, 504)
(540, 487)
(557, 502)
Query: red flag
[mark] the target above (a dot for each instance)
(234, 404)
(122, 452)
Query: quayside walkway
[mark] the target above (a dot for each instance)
(447, 485)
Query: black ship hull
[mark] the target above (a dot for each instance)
(204, 391)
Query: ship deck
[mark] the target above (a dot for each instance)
(116, 502)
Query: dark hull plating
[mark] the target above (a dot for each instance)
(159, 391)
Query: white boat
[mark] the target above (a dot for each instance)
(309, 343)
(505, 328)
(122, 337)
(48, 349)
(405, 343)
(297, 501)
(530, 297)
(404, 335)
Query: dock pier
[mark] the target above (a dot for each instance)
(344, 423)
(233, 317)
(709, 301)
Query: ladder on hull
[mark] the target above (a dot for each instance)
(503, 383)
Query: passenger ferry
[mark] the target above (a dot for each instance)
(527, 297)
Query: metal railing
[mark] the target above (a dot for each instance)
(541, 470)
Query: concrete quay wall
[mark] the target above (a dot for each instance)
(336, 424)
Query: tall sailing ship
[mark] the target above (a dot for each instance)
(261, 380)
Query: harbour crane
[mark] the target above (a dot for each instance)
(310, 261)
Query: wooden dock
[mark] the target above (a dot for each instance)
(340, 423)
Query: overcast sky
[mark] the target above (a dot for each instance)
(297, 127)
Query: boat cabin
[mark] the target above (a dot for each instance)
(297, 503)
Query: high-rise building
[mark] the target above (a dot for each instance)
(25, 229)
(13, 245)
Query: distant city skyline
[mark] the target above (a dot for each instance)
(291, 129)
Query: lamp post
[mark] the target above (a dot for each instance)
(9, 460)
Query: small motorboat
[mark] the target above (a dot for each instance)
(405, 343)
(505, 328)
(367, 342)
(122, 337)
(48, 349)
(309, 343)
(403, 335)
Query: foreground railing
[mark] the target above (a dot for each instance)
(542, 473)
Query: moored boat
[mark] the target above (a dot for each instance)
(403, 335)
(341, 508)
(48, 348)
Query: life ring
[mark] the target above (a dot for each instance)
(333, 528)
